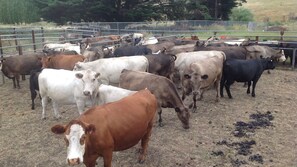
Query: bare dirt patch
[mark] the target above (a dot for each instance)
(26, 140)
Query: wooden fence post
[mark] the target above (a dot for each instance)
(15, 40)
(294, 58)
(1, 54)
(33, 39)
(42, 35)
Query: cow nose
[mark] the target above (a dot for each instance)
(74, 161)
(87, 93)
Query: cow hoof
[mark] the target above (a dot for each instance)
(194, 110)
(161, 124)
(58, 117)
(43, 118)
(253, 95)
(141, 161)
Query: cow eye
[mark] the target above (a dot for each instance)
(82, 139)
(93, 80)
(67, 141)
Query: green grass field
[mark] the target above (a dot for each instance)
(275, 10)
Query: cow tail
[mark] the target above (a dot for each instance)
(224, 56)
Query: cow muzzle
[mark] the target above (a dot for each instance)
(87, 93)
(74, 161)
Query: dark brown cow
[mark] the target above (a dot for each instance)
(161, 64)
(160, 46)
(115, 126)
(161, 87)
(14, 66)
(66, 62)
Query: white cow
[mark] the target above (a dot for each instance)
(111, 68)
(68, 87)
(62, 47)
(184, 59)
(108, 93)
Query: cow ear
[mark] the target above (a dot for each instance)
(79, 75)
(97, 75)
(187, 76)
(58, 129)
(90, 128)
(204, 76)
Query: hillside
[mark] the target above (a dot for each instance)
(275, 10)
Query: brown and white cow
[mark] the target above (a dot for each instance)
(65, 62)
(111, 127)
(161, 87)
(14, 66)
(202, 75)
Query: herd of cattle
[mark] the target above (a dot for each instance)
(126, 86)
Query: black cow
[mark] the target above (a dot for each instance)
(244, 71)
(34, 85)
(131, 51)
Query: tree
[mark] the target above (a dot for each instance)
(241, 14)
(61, 11)
(16, 11)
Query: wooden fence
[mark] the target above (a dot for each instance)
(21, 41)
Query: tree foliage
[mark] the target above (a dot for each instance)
(18, 11)
(241, 14)
(61, 11)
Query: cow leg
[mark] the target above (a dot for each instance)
(33, 96)
(248, 89)
(217, 86)
(194, 102)
(80, 106)
(107, 158)
(18, 81)
(253, 89)
(160, 116)
(55, 107)
(144, 143)
(227, 87)
(222, 84)
(44, 103)
(13, 80)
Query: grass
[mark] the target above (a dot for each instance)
(275, 10)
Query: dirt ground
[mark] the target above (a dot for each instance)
(243, 131)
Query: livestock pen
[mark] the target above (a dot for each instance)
(25, 40)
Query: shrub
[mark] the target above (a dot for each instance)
(241, 14)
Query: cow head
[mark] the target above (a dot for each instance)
(78, 66)
(279, 56)
(89, 81)
(184, 116)
(268, 63)
(46, 62)
(76, 136)
(192, 80)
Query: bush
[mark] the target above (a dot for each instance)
(241, 14)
